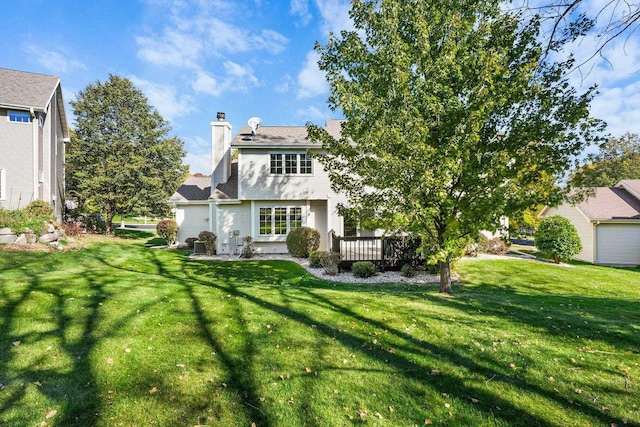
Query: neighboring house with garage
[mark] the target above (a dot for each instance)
(33, 130)
(608, 223)
(270, 187)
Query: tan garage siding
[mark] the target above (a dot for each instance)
(583, 226)
(618, 244)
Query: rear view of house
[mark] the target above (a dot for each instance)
(33, 130)
(608, 224)
(272, 187)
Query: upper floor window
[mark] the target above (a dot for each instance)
(19, 116)
(290, 164)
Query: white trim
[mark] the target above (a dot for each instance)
(3, 184)
(284, 163)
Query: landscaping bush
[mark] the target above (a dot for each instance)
(497, 247)
(479, 245)
(302, 241)
(331, 262)
(189, 241)
(209, 240)
(168, 230)
(247, 249)
(39, 209)
(556, 236)
(314, 259)
(363, 269)
(407, 270)
(71, 229)
(95, 223)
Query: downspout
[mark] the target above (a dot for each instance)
(595, 241)
(34, 139)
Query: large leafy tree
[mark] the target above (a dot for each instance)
(452, 118)
(616, 159)
(121, 159)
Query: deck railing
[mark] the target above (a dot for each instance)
(387, 252)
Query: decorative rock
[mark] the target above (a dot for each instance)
(21, 240)
(5, 230)
(48, 238)
(8, 238)
(51, 228)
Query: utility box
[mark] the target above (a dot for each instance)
(199, 248)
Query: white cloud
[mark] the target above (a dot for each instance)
(620, 108)
(165, 98)
(172, 48)
(58, 61)
(335, 15)
(311, 81)
(205, 83)
(285, 84)
(300, 8)
(311, 114)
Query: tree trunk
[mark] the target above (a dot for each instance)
(445, 276)
(109, 221)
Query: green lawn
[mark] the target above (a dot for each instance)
(121, 334)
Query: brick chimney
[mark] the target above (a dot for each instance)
(220, 151)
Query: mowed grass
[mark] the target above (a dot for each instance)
(121, 334)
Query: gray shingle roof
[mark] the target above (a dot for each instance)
(198, 188)
(281, 136)
(611, 203)
(22, 89)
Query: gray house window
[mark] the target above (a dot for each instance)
(19, 116)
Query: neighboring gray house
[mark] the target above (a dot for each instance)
(33, 130)
(608, 224)
(273, 187)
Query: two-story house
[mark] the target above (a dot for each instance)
(270, 187)
(33, 130)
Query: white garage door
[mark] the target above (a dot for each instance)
(618, 244)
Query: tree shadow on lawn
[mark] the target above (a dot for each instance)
(404, 359)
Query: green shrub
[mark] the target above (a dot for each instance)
(331, 262)
(209, 240)
(363, 269)
(189, 241)
(39, 209)
(168, 230)
(479, 245)
(302, 241)
(314, 259)
(556, 236)
(407, 270)
(95, 223)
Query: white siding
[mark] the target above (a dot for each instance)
(618, 244)
(191, 219)
(16, 158)
(318, 220)
(258, 184)
(583, 226)
(230, 219)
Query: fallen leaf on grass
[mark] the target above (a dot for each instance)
(52, 413)
(435, 372)
(377, 414)
(180, 365)
(577, 391)
(109, 361)
(428, 421)
(447, 405)
(512, 365)
(391, 409)
(16, 343)
(474, 400)
(38, 383)
(308, 369)
(153, 390)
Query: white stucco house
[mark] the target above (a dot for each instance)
(608, 224)
(271, 187)
(33, 130)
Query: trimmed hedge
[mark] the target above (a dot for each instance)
(363, 269)
(168, 230)
(558, 237)
(302, 241)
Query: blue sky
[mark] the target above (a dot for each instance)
(246, 58)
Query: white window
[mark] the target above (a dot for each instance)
(279, 221)
(290, 164)
(19, 116)
(3, 180)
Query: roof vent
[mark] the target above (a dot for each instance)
(221, 116)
